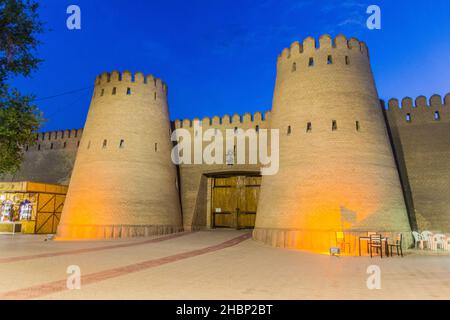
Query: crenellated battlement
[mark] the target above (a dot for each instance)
(419, 110)
(323, 57)
(55, 140)
(310, 46)
(127, 77)
(74, 134)
(420, 102)
(241, 121)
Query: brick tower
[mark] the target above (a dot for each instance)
(337, 170)
(124, 183)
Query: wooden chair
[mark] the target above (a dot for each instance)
(397, 245)
(376, 243)
(369, 233)
(340, 241)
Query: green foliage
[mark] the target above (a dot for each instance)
(19, 117)
(19, 121)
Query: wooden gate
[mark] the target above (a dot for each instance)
(49, 208)
(234, 201)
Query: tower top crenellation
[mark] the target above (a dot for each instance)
(310, 45)
(129, 77)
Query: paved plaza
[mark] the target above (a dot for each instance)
(218, 264)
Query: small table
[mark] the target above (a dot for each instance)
(367, 238)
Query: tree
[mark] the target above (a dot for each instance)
(19, 117)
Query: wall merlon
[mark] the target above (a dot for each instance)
(103, 78)
(186, 123)
(206, 121)
(353, 44)
(226, 119)
(286, 53)
(325, 41)
(216, 121)
(341, 42)
(127, 76)
(309, 45)
(363, 47)
(393, 104)
(296, 49)
(436, 100)
(236, 118)
(421, 101)
(115, 76)
(257, 117)
(139, 77)
(151, 80)
(159, 84)
(247, 118)
(407, 103)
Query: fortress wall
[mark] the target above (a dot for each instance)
(50, 160)
(324, 172)
(420, 132)
(193, 178)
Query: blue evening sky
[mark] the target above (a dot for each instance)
(219, 56)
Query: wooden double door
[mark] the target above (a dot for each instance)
(48, 212)
(234, 201)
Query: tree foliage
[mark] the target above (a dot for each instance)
(19, 117)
